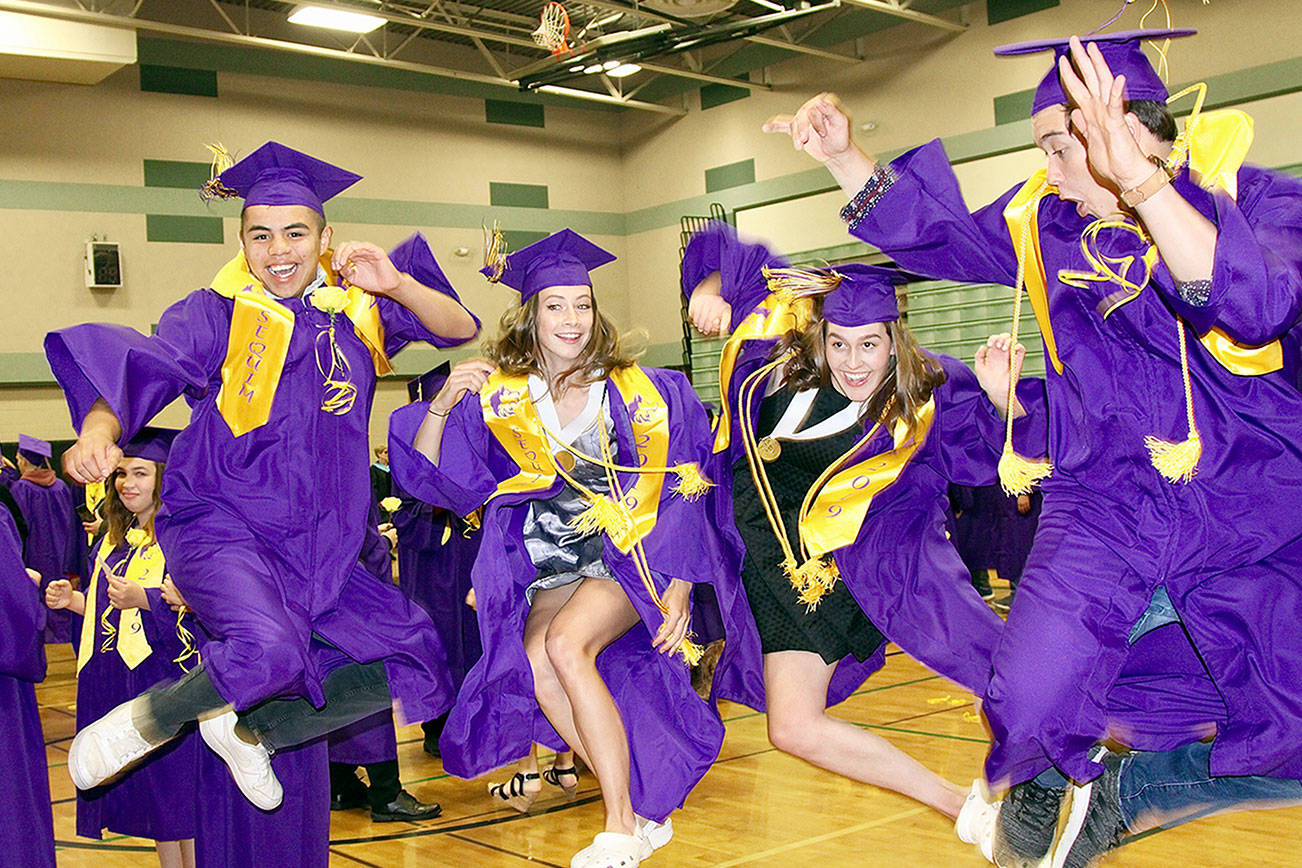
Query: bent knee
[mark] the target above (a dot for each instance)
(796, 734)
(568, 652)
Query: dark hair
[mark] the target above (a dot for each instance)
(516, 351)
(117, 518)
(1155, 117)
(910, 380)
(320, 226)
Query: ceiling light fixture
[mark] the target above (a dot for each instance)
(610, 64)
(589, 70)
(623, 70)
(335, 19)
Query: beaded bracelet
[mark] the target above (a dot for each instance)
(881, 180)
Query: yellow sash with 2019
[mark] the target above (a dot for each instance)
(145, 567)
(513, 420)
(259, 341)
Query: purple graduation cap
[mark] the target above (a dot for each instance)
(866, 295)
(413, 256)
(427, 385)
(34, 449)
(561, 259)
(1123, 51)
(278, 175)
(151, 444)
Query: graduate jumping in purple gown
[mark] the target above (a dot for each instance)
(27, 835)
(1175, 434)
(130, 639)
(55, 546)
(264, 505)
(843, 388)
(582, 582)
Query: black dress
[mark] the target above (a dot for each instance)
(837, 627)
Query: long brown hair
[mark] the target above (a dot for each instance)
(117, 518)
(910, 380)
(516, 350)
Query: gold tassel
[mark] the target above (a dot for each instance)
(692, 483)
(815, 578)
(214, 188)
(691, 652)
(793, 283)
(1178, 462)
(606, 515)
(494, 251)
(1018, 474)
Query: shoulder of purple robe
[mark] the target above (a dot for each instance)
(740, 265)
(136, 375)
(1256, 293)
(462, 480)
(924, 224)
(402, 327)
(22, 612)
(967, 433)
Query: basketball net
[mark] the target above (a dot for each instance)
(553, 28)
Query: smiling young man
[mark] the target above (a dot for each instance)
(1165, 299)
(266, 496)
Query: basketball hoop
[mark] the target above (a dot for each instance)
(553, 28)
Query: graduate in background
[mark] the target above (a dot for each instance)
(589, 468)
(265, 499)
(131, 639)
(1164, 272)
(55, 546)
(27, 834)
(834, 568)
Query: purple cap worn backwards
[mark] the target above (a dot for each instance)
(151, 444)
(427, 385)
(1124, 52)
(34, 449)
(866, 295)
(278, 175)
(561, 259)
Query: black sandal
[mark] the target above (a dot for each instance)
(553, 777)
(513, 792)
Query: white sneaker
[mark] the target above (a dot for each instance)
(107, 747)
(250, 765)
(655, 834)
(976, 820)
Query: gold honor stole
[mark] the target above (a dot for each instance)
(773, 317)
(837, 513)
(1217, 147)
(145, 567)
(513, 420)
(259, 341)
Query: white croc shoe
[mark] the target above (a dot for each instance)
(613, 850)
(656, 834)
(105, 748)
(250, 765)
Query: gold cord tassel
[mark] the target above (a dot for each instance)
(692, 483)
(792, 283)
(690, 652)
(813, 579)
(221, 161)
(1019, 474)
(494, 251)
(606, 515)
(1178, 462)
(189, 648)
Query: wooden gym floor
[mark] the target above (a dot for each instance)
(756, 807)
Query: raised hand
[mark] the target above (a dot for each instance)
(991, 366)
(367, 267)
(93, 457)
(58, 594)
(1100, 117)
(820, 128)
(707, 310)
(467, 376)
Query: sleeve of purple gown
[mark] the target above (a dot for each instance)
(159, 624)
(461, 481)
(22, 613)
(1031, 432)
(1256, 292)
(740, 265)
(923, 223)
(138, 375)
(967, 427)
(402, 327)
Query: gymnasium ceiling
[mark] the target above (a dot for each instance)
(680, 45)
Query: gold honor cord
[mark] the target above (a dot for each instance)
(340, 393)
(1018, 474)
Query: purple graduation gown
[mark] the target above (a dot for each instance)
(1226, 546)
(156, 798)
(673, 735)
(27, 833)
(56, 544)
(263, 532)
